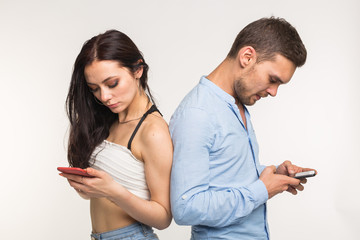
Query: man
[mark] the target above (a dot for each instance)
(217, 183)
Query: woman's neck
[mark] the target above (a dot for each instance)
(140, 104)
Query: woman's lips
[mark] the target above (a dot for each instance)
(113, 105)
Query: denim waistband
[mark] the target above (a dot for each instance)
(124, 232)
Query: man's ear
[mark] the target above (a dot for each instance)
(246, 56)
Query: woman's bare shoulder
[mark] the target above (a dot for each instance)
(155, 127)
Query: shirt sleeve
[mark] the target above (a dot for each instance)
(261, 168)
(193, 200)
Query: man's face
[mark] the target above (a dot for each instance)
(262, 79)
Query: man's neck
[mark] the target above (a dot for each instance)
(223, 76)
(242, 113)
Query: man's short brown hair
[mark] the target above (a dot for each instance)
(271, 36)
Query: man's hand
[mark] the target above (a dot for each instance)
(277, 183)
(289, 169)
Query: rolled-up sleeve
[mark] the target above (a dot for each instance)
(193, 200)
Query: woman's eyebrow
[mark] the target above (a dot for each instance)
(105, 80)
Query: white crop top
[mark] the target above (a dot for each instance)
(122, 166)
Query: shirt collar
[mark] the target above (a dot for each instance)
(217, 90)
(222, 94)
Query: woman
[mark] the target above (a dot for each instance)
(120, 137)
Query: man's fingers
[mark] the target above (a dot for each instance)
(293, 181)
(272, 168)
(303, 180)
(292, 190)
(290, 168)
(299, 187)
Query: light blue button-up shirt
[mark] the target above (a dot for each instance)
(215, 184)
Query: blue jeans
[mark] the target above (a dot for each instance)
(131, 232)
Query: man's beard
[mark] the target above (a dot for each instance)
(240, 90)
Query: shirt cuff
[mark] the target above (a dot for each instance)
(259, 193)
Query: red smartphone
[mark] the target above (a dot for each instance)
(73, 170)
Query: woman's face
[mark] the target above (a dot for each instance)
(113, 85)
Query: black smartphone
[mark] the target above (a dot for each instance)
(305, 174)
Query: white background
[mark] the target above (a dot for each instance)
(314, 120)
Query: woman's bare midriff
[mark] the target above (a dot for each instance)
(106, 216)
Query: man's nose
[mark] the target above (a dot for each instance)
(273, 90)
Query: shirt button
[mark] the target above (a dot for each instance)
(184, 197)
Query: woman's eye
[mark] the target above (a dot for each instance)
(93, 89)
(112, 85)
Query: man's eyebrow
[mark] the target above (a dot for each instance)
(278, 79)
(105, 80)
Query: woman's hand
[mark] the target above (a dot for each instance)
(99, 186)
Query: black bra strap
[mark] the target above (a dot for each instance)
(151, 110)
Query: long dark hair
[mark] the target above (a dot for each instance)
(89, 121)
